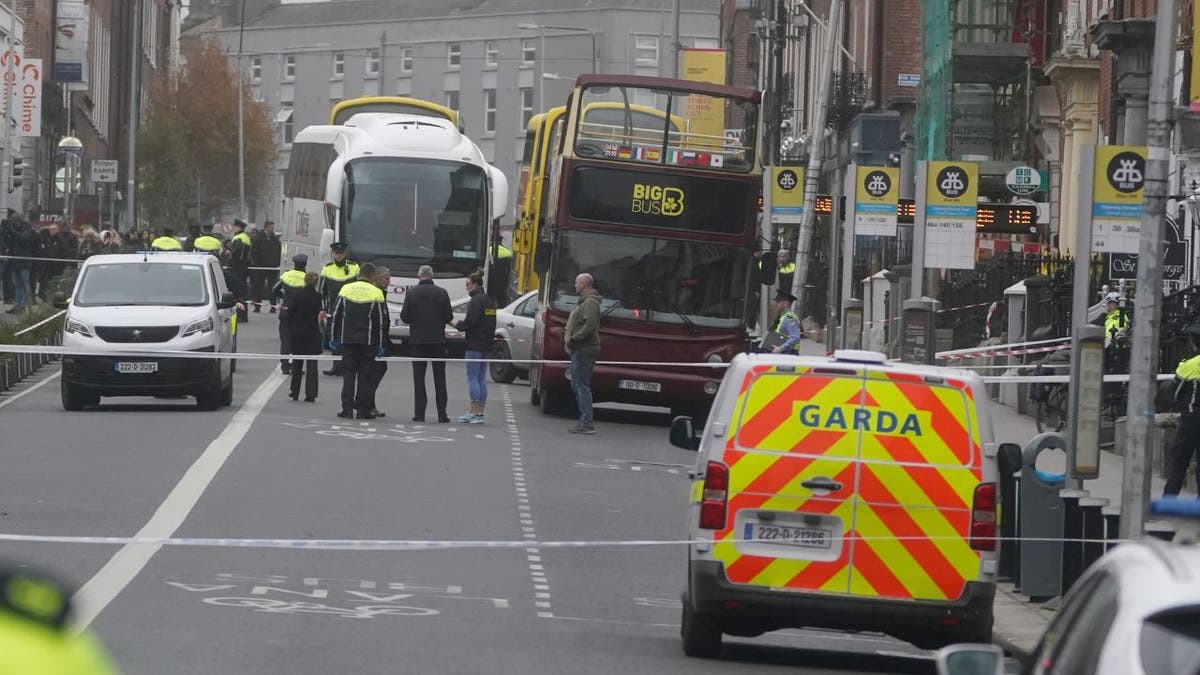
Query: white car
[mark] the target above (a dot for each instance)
(1135, 612)
(146, 303)
(514, 338)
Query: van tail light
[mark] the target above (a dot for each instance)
(714, 501)
(983, 518)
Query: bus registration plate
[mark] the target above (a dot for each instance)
(639, 385)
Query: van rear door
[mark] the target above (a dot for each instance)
(792, 456)
(920, 463)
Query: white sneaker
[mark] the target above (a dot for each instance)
(466, 419)
(476, 419)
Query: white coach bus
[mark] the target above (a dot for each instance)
(402, 190)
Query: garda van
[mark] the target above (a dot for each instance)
(846, 493)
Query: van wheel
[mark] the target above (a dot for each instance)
(210, 398)
(227, 392)
(701, 633)
(502, 373)
(74, 400)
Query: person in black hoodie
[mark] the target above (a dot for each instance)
(479, 325)
(427, 311)
(23, 244)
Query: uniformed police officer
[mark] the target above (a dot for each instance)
(208, 244)
(787, 324)
(359, 329)
(289, 282)
(1187, 404)
(787, 270)
(241, 256)
(1116, 320)
(166, 242)
(337, 273)
(35, 631)
(211, 245)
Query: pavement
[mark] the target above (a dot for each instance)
(270, 468)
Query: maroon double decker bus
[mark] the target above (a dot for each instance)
(662, 210)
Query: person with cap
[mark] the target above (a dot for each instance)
(300, 311)
(1186, 394)
(427, 312)
(241, 256)
(336, 273)
(382, 279)
(207, 243)
(360, 326)
(36, 632)
(288, 284)
(1116, 320)
(786, 324)
(268, 253)
(787, 270)
(166, 242)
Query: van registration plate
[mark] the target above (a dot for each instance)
(137, 367)
(804, 537)
(639, 385)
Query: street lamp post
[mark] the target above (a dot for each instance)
(542, 28)
(241, 119)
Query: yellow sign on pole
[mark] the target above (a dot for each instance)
(951, 205)
(1117, 193)
(876, 200)
(705, 115)
(787, 194)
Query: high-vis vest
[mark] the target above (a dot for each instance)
(788, 268)
(1116, 320)
(293, 278)
(779, 326)
(242, 237)
(1187, 386)
(360, 314)
(165, 243)
(207, 243)
(502, 252)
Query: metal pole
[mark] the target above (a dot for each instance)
(1080, 301)
(918, 255)
(675, 40)
(9, 89)
(382, 61)
(541, 69)
(816, 146)
(135, 40)
(1143, 363)
(595, 53)
(831, 293)
(241, 120)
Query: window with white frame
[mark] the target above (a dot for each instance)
(339, 65)
(372, 62)
(454, 56)
(289, 67)
(256, 69)
(528, 51)
(284, 119)
(491, 52)
(406, 60)
(489, 111)
(526, 107)
(452, 100)
(646, 50)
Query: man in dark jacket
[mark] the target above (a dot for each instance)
(427, 311)
(289, 282)
(268, 252)
(304, 331)
(360, 325)
(479, 325)
(241, 255)
(583, 344)
(337, 273)
(23, 244)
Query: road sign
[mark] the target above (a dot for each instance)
(104, 170)
(1120, 174)
(951, 206)
(875, 201)
(1023, 180)
(787, 195)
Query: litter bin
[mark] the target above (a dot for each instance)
(1041, 510)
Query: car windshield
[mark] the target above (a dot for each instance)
(1171, 642)
(404, 213)
(142, 283)
(663, 280)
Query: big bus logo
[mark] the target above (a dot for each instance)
(657, 200)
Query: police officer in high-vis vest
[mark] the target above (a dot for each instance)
(289, 282)
(207, 243)
(1187, 404)
(787, 324)
(36, 635)
(1116, 320)
(787, 270)
(337, 273)
(241, 254)
(359, 329)
(166, 242)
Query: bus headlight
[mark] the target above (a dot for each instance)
(715, 358)
(710, 387)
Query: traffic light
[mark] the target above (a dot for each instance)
(18, 168)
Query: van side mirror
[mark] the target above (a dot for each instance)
(227, 301)
(970, 659)
(683, 433)
(61, 301)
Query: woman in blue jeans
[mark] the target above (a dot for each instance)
(480, 328)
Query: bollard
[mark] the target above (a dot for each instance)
(1112, 526)
(1072, 557)
(1008, 461)
(1041, 518)
(1093, 528)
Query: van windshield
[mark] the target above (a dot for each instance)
(142, 283)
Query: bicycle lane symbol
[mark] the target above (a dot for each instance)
(397, 433)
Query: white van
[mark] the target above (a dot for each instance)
(148, 302)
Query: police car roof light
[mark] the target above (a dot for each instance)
(1175, 507)
(859, 356)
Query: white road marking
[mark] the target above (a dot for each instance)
(122, 568)
(24, 392)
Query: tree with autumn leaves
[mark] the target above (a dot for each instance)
(188, 143)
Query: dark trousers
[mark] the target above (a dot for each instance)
(259, 285)
(1187, 441)
(420, 398)
(358, 364)
(378, 370)
(285, 338)
(336, 368)
(299, 368)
